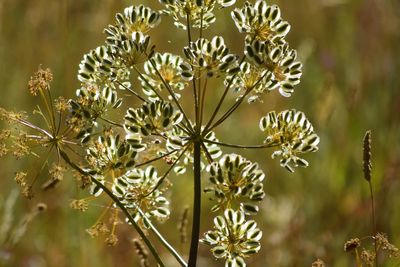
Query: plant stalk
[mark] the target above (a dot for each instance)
(196, 205)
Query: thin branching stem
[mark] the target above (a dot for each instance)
(119, 204)
(32, 126)
(161, 238)
(202, 99)
(235, 105)
(208, 155)
(132, 92)
(222, 99)
(156, 158)
(239, 146)
(111, 122)
(148, 83)
(49, 111)
(168, 171)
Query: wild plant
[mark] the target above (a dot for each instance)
(366, 253)
(128, 132)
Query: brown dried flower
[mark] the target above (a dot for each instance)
(318, 263)
(40, 81)
(351, 244)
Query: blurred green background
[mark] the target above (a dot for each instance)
(350, 51)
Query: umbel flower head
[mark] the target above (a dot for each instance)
(211, 56)
(134, 19)
(235, 179)
(98, 67)
(279, 61)
(139, 189)
(198, 12)
(291, 131)
(110, 153)
(260, 21)
(151, 118)
(234, 238)
(165, 65)
(92, 103)
(253, 79)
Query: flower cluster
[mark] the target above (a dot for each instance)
(199, 13)
(110, 153)
(162, 70)
(91, 104)
(179, 140)
(139, 189)
(120, 157)
(234, 178)
(278, 62)
(234, 238)
(275, 65)
(260, 21)
(291, 131)
(155, 118)
(213, 57)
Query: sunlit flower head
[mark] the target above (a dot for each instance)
(293, 134)
(199, 12)
(110, 153)
(234, 238)
(99, 67)
(167, 66)
(179, 140)
(212, 57)
(284, 71)
(252, 81)
(133, 19)
(152, 118)
(139, 189)
(236, 181)
(260, 21)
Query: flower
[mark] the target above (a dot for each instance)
(234, 238)
(138, 188)
(110, 153)
(260, 21)
(236, 178)
(200, 13)
(156, 118)
(137, 48)
(284, 71)
(291, 131)
(252, 80)
(99, 67)
(210, 56)
(134, 19)
(167, 66)
(92, 103)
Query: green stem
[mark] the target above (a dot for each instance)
(373, 222)
(162, 239)
(234, 106)
(222, 99)
(240, 146)
(119, 204)
(196, 205)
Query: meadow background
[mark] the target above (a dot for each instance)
(351, 83)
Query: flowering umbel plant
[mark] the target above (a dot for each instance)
(125, 139)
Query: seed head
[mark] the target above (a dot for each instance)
(367, 165)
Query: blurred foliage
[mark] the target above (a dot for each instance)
(350, 51)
